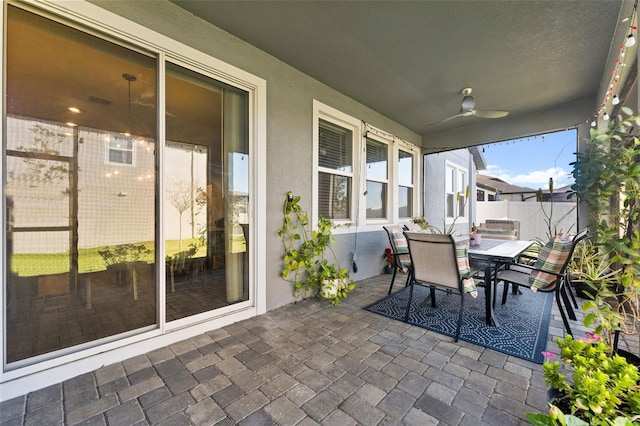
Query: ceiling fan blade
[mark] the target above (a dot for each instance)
(446, 119)
(452, 117)
(490, 114)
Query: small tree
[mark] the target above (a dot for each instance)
(552, 226)
(182, 197)
(38, 170)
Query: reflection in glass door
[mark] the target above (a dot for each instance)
(206, 194)
(79, 187)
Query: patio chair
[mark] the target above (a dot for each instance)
(500, 229)
(399, 251)
(440, 262)
(548, 274)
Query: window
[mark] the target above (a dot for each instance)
(335, 163)
(377, 186)
(405, 183)
(120, 150)
(377, 177)
(456, 184)
(479, 195)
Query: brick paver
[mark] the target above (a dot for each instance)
(303, 364)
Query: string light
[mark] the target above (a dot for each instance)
(631, 40)
(610, 96)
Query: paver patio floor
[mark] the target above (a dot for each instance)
(302, 364)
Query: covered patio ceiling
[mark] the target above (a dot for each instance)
(545, 62)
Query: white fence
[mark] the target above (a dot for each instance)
(532, 219)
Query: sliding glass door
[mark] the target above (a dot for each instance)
(83, 254)
(206, 194)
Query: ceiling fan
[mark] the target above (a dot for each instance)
(467, 108)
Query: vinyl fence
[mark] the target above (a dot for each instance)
(564, 216)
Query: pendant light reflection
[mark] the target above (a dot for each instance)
(129, 78)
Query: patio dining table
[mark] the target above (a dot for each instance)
(493, 254)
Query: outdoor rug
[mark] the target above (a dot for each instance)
(524, 319)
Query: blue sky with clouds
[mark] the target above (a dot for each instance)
(531, 161)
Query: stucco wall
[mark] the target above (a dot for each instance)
(290, 95)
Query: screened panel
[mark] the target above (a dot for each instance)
(334, 196)
(450, 205)
(462, 193)
(376, 200)
(335, 147)
(405, 202)
(405, 168)
(461, 205)
(377, 163)
(450, 180)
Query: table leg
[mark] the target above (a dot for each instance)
(488, 299)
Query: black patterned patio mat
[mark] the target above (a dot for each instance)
(524, 319)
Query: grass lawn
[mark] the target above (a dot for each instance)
(27, 265)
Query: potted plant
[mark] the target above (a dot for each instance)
(305, 262)
(607, 183)
(122, 258)
(123, 253)
(590, 269)
(388, 256)
(589, 386)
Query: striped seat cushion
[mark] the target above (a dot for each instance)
(552, 258)
(401, 247)
(462, 258)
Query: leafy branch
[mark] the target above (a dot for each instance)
(304, 263)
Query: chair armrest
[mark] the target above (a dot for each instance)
(525, 269)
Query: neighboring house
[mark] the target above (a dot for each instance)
(137, 100)
(495, 189)
(560, 195)
(491, 188)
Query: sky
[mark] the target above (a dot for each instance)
(531, 161)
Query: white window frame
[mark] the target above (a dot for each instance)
(408, 148)
(108, 148)
(389, 192)
(336, 173)
(460, 185)
(335, 117)
(358, 221)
